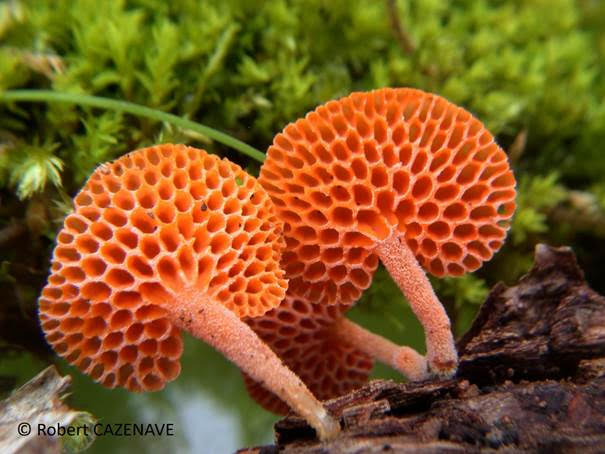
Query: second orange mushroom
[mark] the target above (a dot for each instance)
(396, 175)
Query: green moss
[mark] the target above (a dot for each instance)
(31, 167)
(537, 196)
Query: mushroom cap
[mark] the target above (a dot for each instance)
(146, 227)
(300, 333)
(388, 162)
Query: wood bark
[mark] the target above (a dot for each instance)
(39, 402)
(531, 378)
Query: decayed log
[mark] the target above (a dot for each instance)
(531, 379)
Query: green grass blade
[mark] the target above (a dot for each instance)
(134, 109)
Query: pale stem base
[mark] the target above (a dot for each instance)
(405, 270)
(401, 358)
(221, 328)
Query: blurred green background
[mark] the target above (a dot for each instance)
(532, 70)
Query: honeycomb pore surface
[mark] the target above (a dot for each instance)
(358, 170)
(145, 227)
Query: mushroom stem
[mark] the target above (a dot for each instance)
(403, 267)
(221, 328)
(404, 359)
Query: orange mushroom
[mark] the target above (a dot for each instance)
(398, 175)
(164, 239)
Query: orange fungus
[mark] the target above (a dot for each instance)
(402, 162)
(145, 228)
